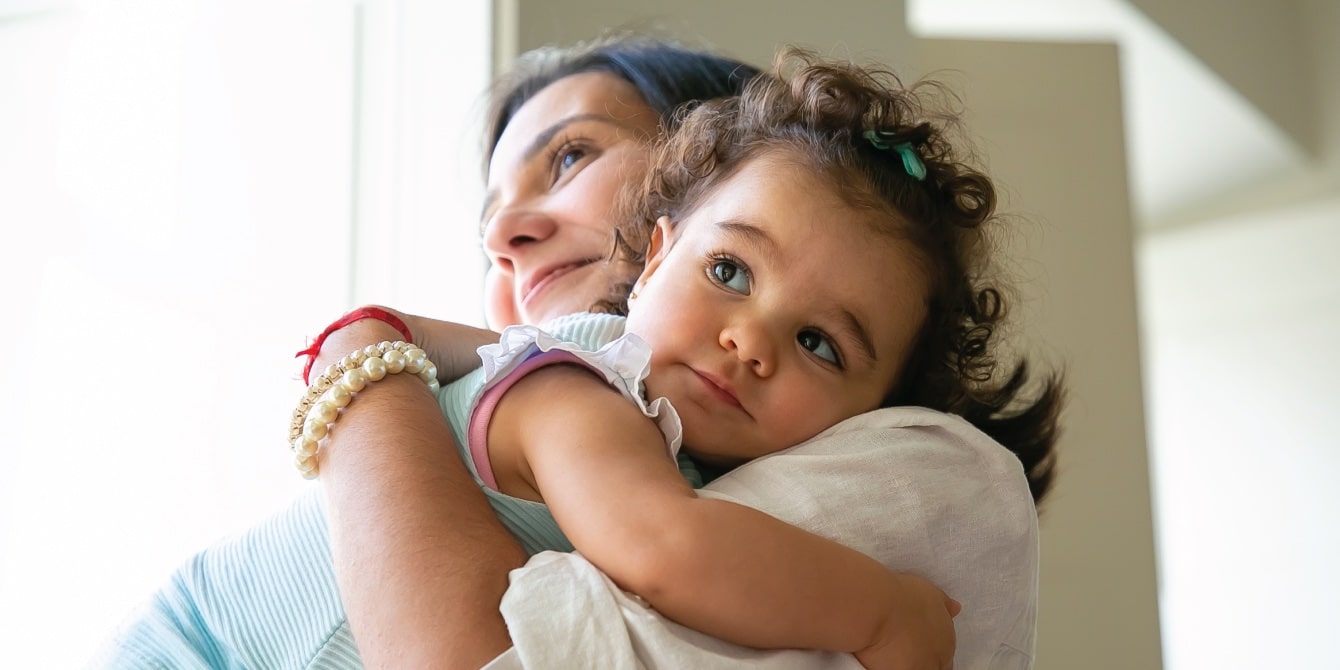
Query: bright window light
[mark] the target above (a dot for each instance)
(183, 184)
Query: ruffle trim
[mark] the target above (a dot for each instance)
(624, 362)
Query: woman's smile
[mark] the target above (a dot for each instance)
(544, 278)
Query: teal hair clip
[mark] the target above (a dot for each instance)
(911, 161)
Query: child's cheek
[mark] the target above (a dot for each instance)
(797, 412)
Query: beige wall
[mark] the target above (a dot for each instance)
(1050, 121)
(1240, 306)
(1277, 79)
(747, 29)
(1049, 116)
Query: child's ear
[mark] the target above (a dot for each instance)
(657, 249)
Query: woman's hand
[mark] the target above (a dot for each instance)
(919, 634)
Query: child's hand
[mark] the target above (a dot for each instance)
(919, 633)
(451, 346)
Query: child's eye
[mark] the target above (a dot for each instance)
(730, 274)
(819, 345)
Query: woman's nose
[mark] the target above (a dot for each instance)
(752, 344)
(511, 234)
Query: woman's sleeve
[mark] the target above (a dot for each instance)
(922, 492)
(263, 598)
(419, 556)
(917, 490)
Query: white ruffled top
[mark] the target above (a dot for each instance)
(623, 363)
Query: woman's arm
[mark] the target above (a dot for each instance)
(420, 558)
(724, 569)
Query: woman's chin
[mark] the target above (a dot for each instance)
(578, 291)
(548, 310)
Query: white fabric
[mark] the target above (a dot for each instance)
(919, 490)
(624, 362)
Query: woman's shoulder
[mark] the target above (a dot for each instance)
(588, 329)
(932, 437)
(899, 468)
(920, 491)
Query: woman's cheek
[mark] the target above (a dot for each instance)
(499, 307)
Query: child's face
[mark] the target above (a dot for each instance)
(774, 311)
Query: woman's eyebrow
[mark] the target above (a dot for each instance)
(544, 137)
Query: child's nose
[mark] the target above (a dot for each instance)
(752, 344)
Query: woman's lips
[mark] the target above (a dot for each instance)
(546, 276)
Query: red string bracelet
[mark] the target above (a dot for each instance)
(356, 315)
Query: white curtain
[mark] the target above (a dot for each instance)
(188, 189)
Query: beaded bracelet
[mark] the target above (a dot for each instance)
(335, 389)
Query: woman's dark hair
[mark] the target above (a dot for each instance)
(668, 75)
(847, 123)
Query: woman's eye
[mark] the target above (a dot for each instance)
(815, 342)
(731, 275)
(565, 158)
(570, 158)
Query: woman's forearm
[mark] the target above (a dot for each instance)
(420, 558)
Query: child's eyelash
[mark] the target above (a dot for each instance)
(742, 267)
(723, 255)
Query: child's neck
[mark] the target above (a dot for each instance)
(708, 471)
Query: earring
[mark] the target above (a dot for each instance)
(632, 296)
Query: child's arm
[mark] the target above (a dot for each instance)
(450, 346)
(724, 569)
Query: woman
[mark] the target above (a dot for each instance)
(569, 139)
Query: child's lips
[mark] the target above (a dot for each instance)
(721, 389)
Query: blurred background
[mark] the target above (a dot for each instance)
(190, 188)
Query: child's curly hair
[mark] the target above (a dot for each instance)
(820, 114)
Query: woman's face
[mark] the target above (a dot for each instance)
(549, 210)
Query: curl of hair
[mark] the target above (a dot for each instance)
(817, 114)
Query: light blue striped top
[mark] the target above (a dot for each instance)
(267, 598)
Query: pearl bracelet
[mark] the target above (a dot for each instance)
(335, 389)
